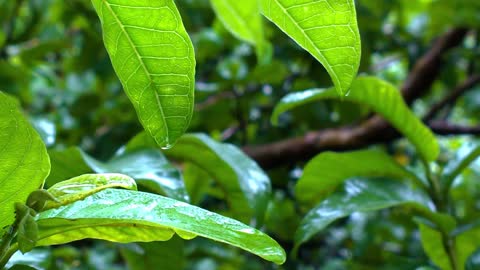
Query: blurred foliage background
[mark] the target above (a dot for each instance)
(53, 60)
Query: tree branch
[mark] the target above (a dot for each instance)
(373, 130)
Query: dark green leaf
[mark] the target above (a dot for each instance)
(246, 186)
(129, 216)
(361, 196)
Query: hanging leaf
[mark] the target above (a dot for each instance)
(326, 29)
(154, 60)
(25, 163)
(129, 216)
(380, 96)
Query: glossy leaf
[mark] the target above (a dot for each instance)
(80, 187)
(148, 167)
(382, 98)
(326, 29)
(153, 56)
(243, 20)
(326, 171)
(129, 216)
(361, 195)
(167, 255)
(246, 186)
(25, 163)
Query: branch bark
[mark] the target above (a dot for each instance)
(373, 130)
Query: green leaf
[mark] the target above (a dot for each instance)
(466, 244)
(147, 166)
(361, 195)
(326, 29)
(243, 20)
(153, 56)
(25, 163)
(473, 262)
(381, 97)
(129, 216)
(246, 186)
(80, 187)
(155, 255)
(464, 156)
(327, 170)
(433, 245)
(27, 228)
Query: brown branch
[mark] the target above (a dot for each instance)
(445, 128)
(452, 97)
(373, 130)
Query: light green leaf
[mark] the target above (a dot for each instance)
(381, 97)
(326, 29)
(246, 186)
(147, 166)
(82, 186)
(433, 246)
(466, 244)
(25, 163)
(129, 216)
(243, 20)
(327, 170)
(362, 195)
(153, 56)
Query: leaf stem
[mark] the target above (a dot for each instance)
(8, 254)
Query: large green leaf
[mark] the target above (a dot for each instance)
(130, 216)
(243, 20)
(383, 98)
(147, 166)
(82, 186)
(246, 186)
(326, 29)
(363, 195)
(24, 160)
(153, 56)
(327, 170)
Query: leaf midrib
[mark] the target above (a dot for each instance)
(137, 54)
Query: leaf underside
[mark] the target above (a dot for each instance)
(327, 29)
(154, 59)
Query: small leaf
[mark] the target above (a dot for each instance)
(243, 20)
(246, 185)
(154, 60)
(37, 199)
(363, 195)
(433, 245)
(327, 170)
(383, 98)
(27, 233)
(82, 186)
(466, 244)
(148, 166)
(25, 163)
(129, 216)
(326, 29)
